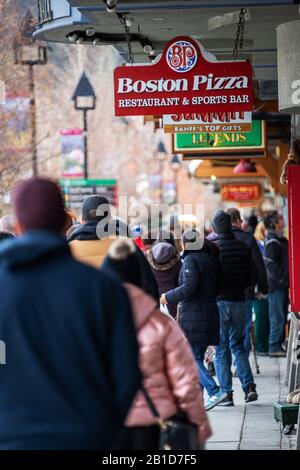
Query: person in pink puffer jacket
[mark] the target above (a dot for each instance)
(166, 361)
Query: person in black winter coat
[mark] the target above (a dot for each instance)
(198, 311)
(91, 240)
(238, 273)
(277, 264)
(261, 281)
(71, 369)
(166, 265)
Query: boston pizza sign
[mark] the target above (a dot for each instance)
(183, 81)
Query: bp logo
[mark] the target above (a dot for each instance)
(181, 56)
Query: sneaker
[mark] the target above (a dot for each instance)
(214, 400)
(289, 429)
(227, 400)
(251, 394)
(279, 353)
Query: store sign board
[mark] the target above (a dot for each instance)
(75, 191)
(208, 122)
(183, 80)
(225, 144)
(240, 192)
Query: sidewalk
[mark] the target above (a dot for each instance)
(252, 426)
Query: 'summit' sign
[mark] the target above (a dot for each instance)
(182, 81)
(208, 122)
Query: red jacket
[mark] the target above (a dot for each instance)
(139, 242)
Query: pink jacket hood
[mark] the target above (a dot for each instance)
(168, 366)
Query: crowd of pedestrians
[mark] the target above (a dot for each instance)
(90, 353)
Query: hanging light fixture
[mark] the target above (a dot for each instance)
(90, 32)
(161, 151)
(111, 5)
(175, 163)
(245, 166)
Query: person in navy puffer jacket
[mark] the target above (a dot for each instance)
(71, 369)
(199, 282)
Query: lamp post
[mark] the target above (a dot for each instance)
(175, 165)
(84, 98)
(161, 155)
(30, 53)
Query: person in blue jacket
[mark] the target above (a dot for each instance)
(71, 369)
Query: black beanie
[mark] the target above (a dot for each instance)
(90, 206)
(222, 222)
(122, 261)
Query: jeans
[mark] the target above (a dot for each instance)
(205, 379)
(248, 312)
(278, 310)
(232, 337)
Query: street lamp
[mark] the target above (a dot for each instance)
(29, 52)
(175, 165)
(161, 155)
(161, 151)
(84, 98)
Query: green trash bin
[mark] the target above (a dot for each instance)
(261, 325)
(286, 413)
